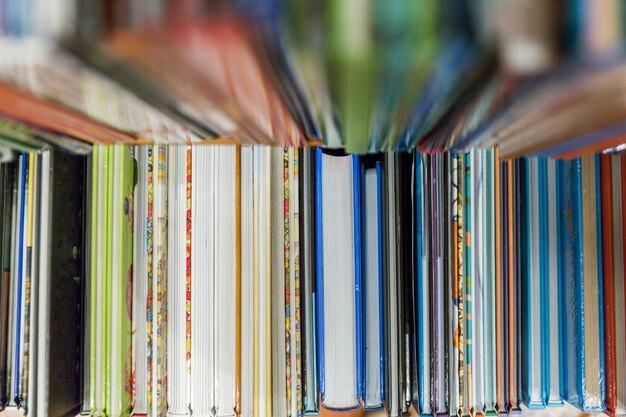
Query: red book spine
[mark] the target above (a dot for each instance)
(623, 173)
(607, 282)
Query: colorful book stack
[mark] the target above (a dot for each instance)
(281, 280)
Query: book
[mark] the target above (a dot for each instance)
(552, 287)
(157, 301)
(423, 328)
(405, 254)
(371, 183)
(214, 300)
(394, 400)
(141, 266)
(8, 180)
(613, 283)
(286, 349)
(582, 275)
(58, 379)
(177, 282)
(120, 382)
(489, 247)
(338, 282)
(307, 281)
(618, 167)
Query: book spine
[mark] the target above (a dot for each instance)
(319, 280)
(606, 187)
(358, 285)
(381, 275)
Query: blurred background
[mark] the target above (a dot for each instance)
(368, 76)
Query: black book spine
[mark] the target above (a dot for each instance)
(66, 276)
(8, 180)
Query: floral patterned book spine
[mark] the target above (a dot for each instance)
(188, 270)
(286, 247)
(150, 298)
(458, 284)
(159, 331)
(295, 247)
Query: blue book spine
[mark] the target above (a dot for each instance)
(578, 288)
(319, 269)
(381, 270)
(560, 211)
(544, 245)
(20, 274)
(381, 274)
(418, 402)
(571, 272)
(358, 285)
(311, 408)
(526, 201)
(364, 318)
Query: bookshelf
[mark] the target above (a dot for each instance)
(287, 208)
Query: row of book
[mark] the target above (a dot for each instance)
(258, 281)
(42, 202)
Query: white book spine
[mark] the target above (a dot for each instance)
(247, 283)
(202, 281)
(177, 282)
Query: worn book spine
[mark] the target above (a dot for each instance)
(608, 281)
(8, 178)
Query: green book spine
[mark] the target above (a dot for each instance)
(124, 244)
(108, 227)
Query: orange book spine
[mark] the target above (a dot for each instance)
(512, 334)
(501, 407)
(608, 283)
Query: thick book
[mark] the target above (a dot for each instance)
(214, 281)
(60, 277)
(338, 279)
(582, 268)
(255, 385)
